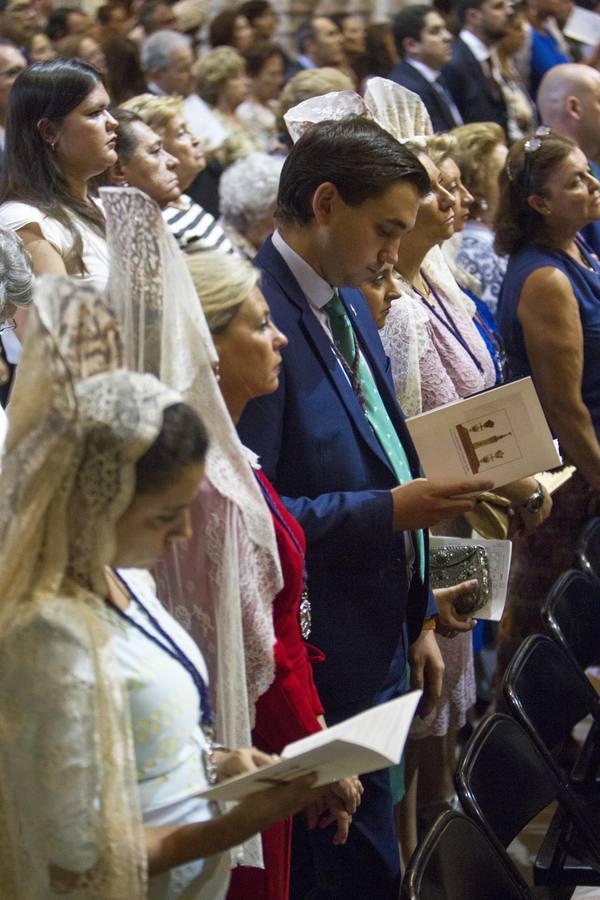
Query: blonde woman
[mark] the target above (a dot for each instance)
(249, 346)
(480, 153)
(222, 83)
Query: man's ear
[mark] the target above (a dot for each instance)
(117, 175)
(539, 204)
(410, 46)
(574, 106)
(323, 201)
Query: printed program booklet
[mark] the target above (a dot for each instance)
(369, 741)
(500, 434)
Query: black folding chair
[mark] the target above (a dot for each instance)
(588, 548)
(504, 782)
(572, 616)
(548, 694)
(458, 861)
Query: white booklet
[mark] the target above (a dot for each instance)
(499, 556)
(500, 434)
(369, 741)
(583, 25)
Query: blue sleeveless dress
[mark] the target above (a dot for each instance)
(586, 288)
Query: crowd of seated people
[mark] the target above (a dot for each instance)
(239, 247)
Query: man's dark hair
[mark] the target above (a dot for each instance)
(409, 23)
(57, 26)
(254, 9)
(259, 54)
(305, 32)
(356, 155)
(462, 8)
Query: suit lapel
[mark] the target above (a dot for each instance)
(272, 262)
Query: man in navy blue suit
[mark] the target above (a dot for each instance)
(333, 440)
(472, 75)
(425, 46)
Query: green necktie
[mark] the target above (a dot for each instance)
(363, 383)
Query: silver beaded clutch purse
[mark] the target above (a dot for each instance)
(452, 564)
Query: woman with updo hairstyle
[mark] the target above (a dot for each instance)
(222, 83)
(249, 347)
(549, 314)
(480, 154)
(59, 137)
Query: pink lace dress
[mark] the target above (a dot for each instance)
(431, 367)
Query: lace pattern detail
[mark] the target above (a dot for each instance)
(68, 474)
(395, 108)
(226, 584)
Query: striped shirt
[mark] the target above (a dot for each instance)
(194, 228)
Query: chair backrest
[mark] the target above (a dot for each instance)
(548, 694)
(572, 615)
(502, 779)
(588, 548)
(457, 861)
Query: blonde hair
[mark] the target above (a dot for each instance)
(311, 83)
(475, 144)
(439, 147)
(214, 68)
(222, 283)
(155, 111)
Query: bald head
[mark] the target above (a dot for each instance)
(569, 102)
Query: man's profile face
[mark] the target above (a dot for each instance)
(327, 48)
(355, 242)
(178, 78)
(435, 45)
(494, 17)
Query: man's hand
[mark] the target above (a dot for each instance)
(422, 503)
(449, 621)
(327, 809)
(426, 670)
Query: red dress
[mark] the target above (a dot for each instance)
(286, 712)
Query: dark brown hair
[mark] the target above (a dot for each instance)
(361, 159)
(183, 441)
(525, 175)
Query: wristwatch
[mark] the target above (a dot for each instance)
(536, 501)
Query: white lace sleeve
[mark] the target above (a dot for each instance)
(405, 340)
(47, 682)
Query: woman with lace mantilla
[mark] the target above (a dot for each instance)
(100, 777)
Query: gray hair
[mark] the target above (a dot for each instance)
(156, 50)
(16, 275)
(248, 189)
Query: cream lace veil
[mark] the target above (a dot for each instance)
(222, 583)
(68, 799)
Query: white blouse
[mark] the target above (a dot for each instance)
(17, 215)
(168, 741)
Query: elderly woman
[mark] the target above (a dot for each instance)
(480, 152)
(145, 163)
(222, 83)
(265, 65)
(549, 313)
(248, 192)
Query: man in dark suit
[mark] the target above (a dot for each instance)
(320, 43)
(472, 75)
(425, 46)
(333, 440)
